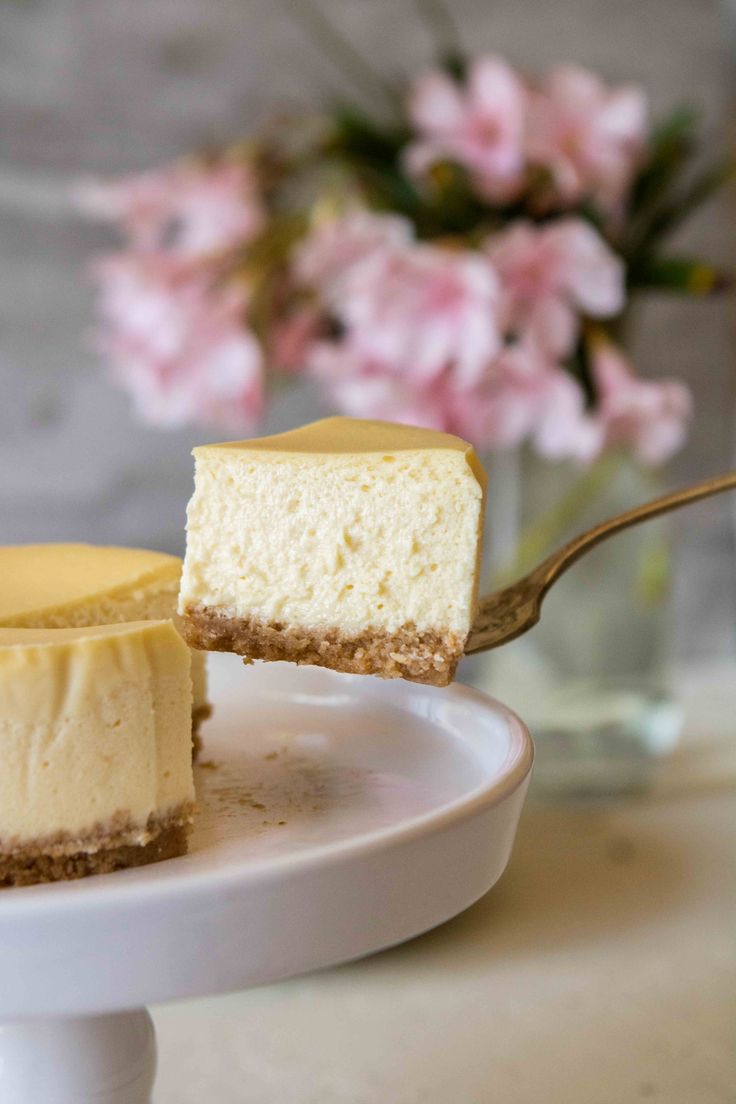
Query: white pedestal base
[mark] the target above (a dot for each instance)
(78, 1060)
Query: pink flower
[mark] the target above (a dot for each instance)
(549, 274)
(525, 396)
(293, 337)
(503, 410)
(479, 126)
(404, 303)
(176, 335)
(141, 204)
(190, 209)
(428, 307)
(216, 208)
(565, 430)
(589, 137)
(649, 415)
(177, 343)
(420, 338)
(365, 388)
(520, 396)
(336, 247)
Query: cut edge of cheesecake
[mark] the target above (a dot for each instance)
(426, 653)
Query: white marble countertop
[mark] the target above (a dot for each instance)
(601, 970)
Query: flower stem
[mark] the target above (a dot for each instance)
(443, 27)
(540, 536)
(338, 48)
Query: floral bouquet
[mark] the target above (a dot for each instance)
(462, 259)
(463, 256)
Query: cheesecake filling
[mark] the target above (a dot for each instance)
(382, 544)
(345, 544)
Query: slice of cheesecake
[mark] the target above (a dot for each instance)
(95, 739)
(76, 585)
(348, 544)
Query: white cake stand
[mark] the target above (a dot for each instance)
(338, 815)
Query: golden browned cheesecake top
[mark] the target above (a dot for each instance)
(358, 436)
(49, 584)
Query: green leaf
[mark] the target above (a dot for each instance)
(678, 125)
(356, 133)
(654, 572)
(579, 365)
(444, 204)
(670, 215)
(681, 275)
(456, 65)
(671, 144)
(371, 154)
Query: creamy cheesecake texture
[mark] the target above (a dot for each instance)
(95, 739)
(348, 543)
(70, 585)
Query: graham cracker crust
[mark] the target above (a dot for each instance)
(427, 656)
(101, 853)
(199, 716)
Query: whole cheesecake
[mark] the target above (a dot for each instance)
(77, 585)
(348, 544)
(95, 737)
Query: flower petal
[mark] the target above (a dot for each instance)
(436, 104)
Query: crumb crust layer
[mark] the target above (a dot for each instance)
(426, 656)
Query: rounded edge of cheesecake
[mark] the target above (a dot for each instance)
(95, 732)
(61, 585)
(75, 585)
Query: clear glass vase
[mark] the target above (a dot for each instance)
(593, 678)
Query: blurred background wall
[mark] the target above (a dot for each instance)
(102, 87)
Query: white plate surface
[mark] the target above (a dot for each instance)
(338, 815)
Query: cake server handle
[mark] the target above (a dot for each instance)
(513, 610)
